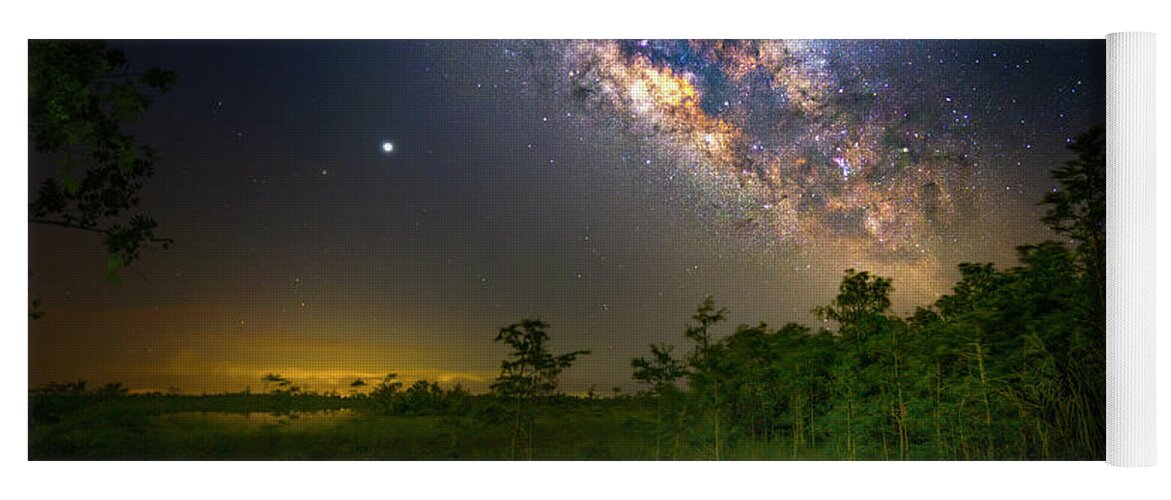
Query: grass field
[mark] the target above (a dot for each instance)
(220, 427)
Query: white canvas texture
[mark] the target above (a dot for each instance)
(1130, 252)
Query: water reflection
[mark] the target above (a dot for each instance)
(299, 420)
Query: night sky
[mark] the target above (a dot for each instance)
(605, 187)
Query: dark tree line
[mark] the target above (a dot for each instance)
(1009, 365)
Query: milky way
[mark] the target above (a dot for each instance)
(351, 208)
(867, 149)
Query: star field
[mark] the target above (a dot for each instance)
(347, 209)
(884, 151)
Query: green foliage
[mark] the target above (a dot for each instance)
(1010, 365)
(660, 371)
(705, 317)
(1077, 209)
(385, 396)
(530, 372)
(860, 306)
(81, 95)
(707, 371)
(1002, 368)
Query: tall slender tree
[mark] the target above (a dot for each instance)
(704, 375)
(661, 372)
(529, 372)
(1077, 210)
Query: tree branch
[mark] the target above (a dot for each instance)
(105, 232)
(70, 225)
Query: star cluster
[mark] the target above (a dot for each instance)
(348, 208)
(874, 150)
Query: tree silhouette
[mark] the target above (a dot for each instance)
(661, 372)
(860, 309)
(861, 303)
(1077, 209)
(1008, 365)
(273, 378)
(81, 94)
(530, 372)
(385, 395)
(357, 385)
(705, 376)
(113, 389)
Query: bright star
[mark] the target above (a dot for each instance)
(387, 147)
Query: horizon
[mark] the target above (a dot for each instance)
(608, 205)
